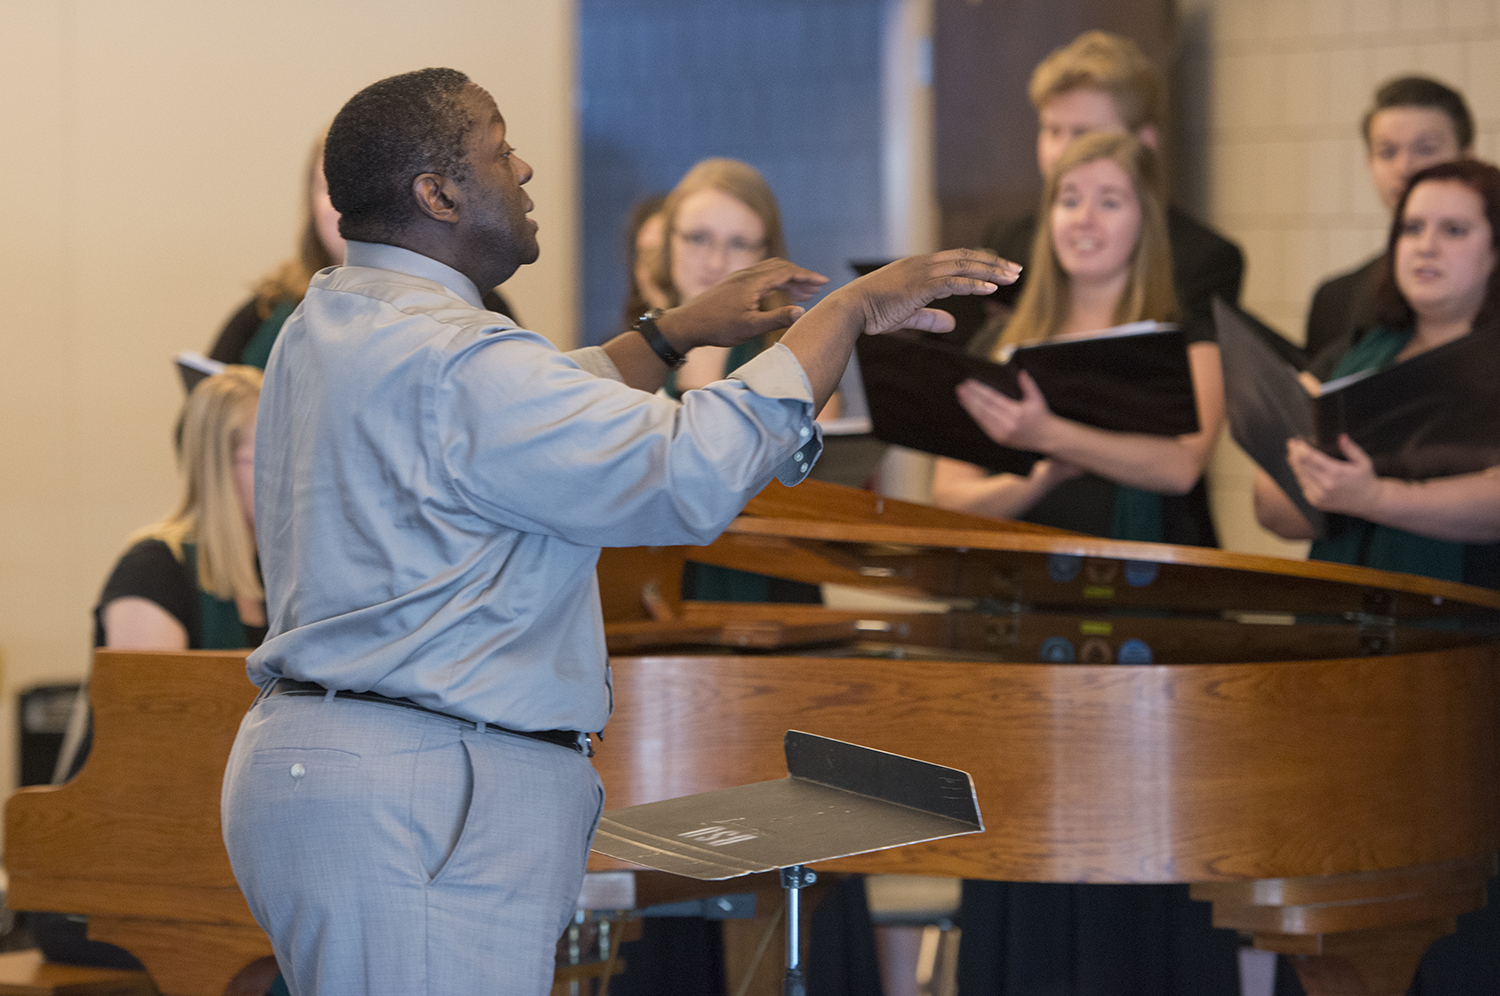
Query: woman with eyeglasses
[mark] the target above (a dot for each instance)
(720, 218)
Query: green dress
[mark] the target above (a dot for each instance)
(1357, 541)
(258, 349)
(738, 357)
(150, 570)
(219, 626)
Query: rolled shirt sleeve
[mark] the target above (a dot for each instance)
(598, 463)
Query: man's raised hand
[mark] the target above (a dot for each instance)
(728, 313)
(896, 296)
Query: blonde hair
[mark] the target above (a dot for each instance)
(214, 418)
(1148, 292)
(288, 282)
(1097, 60)
(739, 180)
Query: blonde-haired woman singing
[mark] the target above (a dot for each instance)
(1101, 258)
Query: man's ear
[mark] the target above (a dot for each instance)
(1148, 136)
(436, 197)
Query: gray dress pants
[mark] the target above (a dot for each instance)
(391, 851)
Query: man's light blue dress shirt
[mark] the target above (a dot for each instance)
(433, 485)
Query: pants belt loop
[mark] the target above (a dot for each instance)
(328, 697)
(479, 725)
(265, 692)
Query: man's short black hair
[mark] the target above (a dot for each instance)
(384, 137)
(1419, 91)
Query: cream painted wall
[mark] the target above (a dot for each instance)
(1288, 82)
(151, 164)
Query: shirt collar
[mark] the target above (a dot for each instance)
(388, 257)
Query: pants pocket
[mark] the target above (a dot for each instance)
(440, 820)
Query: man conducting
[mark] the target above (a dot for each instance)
(409, 804)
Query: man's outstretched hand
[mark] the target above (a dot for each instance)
(896, 296)
(893, 297)
(729, 313)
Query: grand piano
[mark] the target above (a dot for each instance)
(1316, 748)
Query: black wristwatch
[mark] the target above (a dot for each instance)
(646, 326)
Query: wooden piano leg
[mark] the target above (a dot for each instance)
(254, 979)
(1358, 963)
(184, 958)
(1359, 934)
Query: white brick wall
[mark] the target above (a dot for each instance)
(1288, 81)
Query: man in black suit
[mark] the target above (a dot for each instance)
(1415, 123)
(1103, 82)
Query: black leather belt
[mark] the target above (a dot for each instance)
(563, 738)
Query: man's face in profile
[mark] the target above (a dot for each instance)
(495, 220)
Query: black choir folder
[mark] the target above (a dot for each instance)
(1134, 378)
(1433, 415)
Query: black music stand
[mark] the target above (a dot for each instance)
(838, 799)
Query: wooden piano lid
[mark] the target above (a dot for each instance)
(1013, 592)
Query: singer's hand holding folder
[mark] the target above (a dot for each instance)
(1134, 378)
(1434, 415)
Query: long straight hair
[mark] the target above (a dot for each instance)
(1148, 293)
(214, 419)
